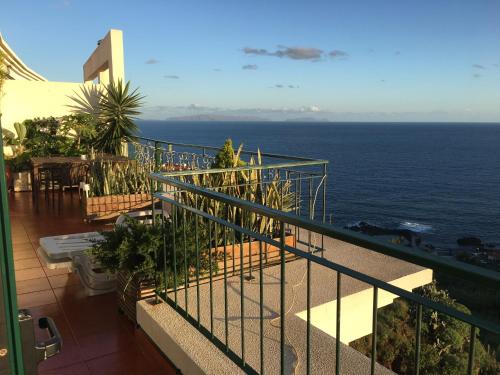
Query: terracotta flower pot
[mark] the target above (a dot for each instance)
(129, 290)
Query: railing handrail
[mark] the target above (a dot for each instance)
(478, 274)
(254, 153)
(400, 292)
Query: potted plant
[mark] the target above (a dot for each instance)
(20, 169)
(142, 254)
(18, 165)
(251, 185)
(129, 251)
(116, 187)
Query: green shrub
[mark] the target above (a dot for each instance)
(444, 340)
(138, 249)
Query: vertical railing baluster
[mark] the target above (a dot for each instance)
(324, 208)
(374, 331)
(311, 216)
(234, 260)
(311, 203)
(165, 275)
(300, 202)
(470, 366)
(296, 203)
(226, 325)
(250, 277)
(308, 328)
(242, 303)
(418, 336)
(282, 298)
(337, 326)
(197, 243)
(186, 281)
(261, 309)
(210, 271)
(174, 252)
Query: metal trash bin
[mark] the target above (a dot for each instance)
(34, 351)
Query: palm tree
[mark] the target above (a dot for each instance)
(118, 109)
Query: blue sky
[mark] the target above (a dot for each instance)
(339, 60)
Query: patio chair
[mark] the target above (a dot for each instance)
(55, 178)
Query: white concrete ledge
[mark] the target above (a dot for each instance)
(188, 349)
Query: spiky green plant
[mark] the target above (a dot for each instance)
(118, 108)
(248, 184)
(109, 178)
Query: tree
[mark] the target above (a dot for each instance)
(444, 340)
(226, 158)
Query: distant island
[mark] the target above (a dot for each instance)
(307, 119)
(216, 117)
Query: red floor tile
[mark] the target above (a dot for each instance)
(29, 273)
(55, 272)
(106, 342)
(32, 285)
(33, 299)
(76, 369)
(62, 281)
(22, 264)
(130, 362)
(97, 339)
(23, 246)
(24, 254)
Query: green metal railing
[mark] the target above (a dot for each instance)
(9, 323)
(225, 234)
(307, 175)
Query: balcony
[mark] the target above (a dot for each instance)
(269, 304)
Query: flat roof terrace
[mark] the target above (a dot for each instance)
(356, 309)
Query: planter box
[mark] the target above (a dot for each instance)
(21, 181)
(130, 291)
(270, 255)
(107, 207)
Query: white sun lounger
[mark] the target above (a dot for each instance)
(68, 251)
(58, 251)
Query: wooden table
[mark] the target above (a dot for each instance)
(72, 162)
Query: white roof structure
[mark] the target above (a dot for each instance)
(16, 68)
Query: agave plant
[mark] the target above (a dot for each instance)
(114, 109)
(248, 184)
(118, 108)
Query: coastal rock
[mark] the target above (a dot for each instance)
(469, 241)
(374, 230)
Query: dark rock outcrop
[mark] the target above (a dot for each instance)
(469, 241)
(374, 230)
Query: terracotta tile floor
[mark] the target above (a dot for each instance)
(96, 338)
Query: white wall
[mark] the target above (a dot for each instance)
(23, 100)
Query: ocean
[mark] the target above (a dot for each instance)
(440, 179)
